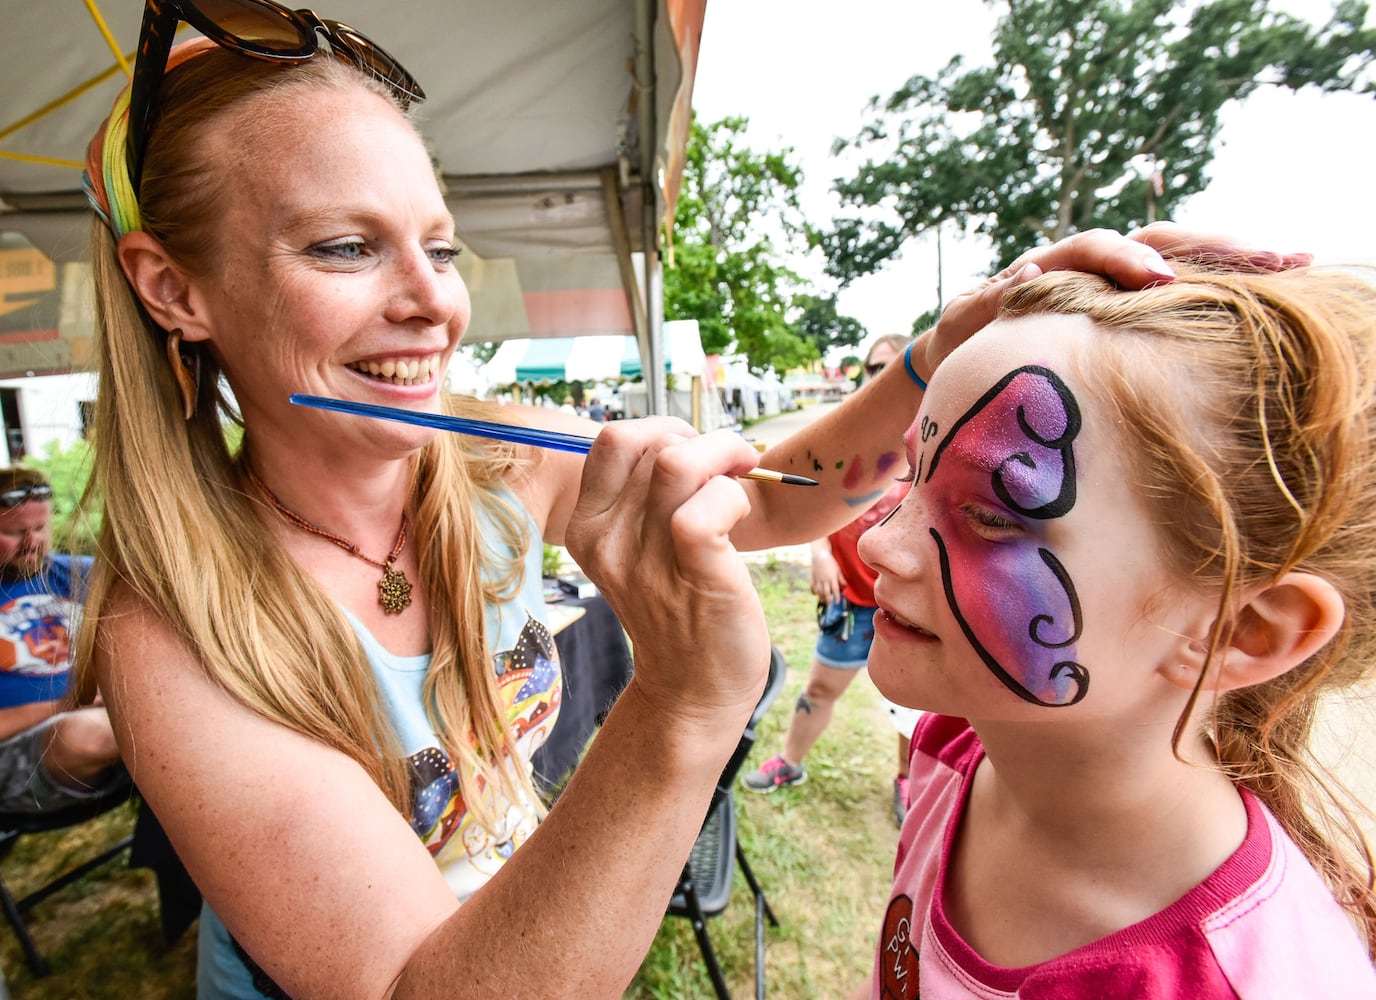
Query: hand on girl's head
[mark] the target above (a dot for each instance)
(1174, 240)
(1099, 251)
(1135, 260)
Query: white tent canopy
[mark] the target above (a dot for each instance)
(558, 127)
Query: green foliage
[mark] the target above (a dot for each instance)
(552, 561)
(926, 321)
(821, 325)
(483, 353)
(68, 469)
(736, 221)
(1086, 105)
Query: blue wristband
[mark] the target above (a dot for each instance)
(912, 373)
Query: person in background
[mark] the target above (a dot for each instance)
(1137, 555)
(52, 754)
(844, 588)
(597, 411)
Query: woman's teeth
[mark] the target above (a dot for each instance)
(400, 372)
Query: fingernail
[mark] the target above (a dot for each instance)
(1026, 273)
(1156, 264)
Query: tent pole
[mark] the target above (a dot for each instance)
(621, 240)
(652, 349)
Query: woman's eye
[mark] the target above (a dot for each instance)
(444, 255)
(338, 250)
(909, 477)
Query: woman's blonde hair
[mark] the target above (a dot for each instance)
(895, 342)
(185, 532)
(1251, 399)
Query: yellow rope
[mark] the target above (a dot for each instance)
(66, 98)
(49, 160)
(122, 62)
(109, 38)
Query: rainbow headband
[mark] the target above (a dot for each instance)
(106, 180)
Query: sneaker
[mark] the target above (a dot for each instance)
(900, 798)
(774, 773)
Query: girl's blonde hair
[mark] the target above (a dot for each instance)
(1251, 399)
(183, 529)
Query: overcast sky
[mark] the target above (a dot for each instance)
(1292, 171)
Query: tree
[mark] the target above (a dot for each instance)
(736, 222)
(926, 321)
(1096, 113)
(821, 325)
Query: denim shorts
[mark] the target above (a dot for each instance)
(846, 647)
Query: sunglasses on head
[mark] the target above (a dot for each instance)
(257, 28)
(18, 495)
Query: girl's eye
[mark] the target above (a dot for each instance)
(987, 522)
(909, 477)
(338, 250)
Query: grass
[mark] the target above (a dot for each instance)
(823, 853)
(102, 935)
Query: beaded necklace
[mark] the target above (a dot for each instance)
(393, 590)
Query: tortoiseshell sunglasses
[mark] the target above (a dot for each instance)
(257, 28)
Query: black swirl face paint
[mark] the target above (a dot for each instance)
(1012, 597)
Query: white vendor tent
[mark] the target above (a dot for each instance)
(559, 128)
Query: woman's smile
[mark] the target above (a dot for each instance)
(400, 370)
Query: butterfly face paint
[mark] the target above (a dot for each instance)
(1005, 468)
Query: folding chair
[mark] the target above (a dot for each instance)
(15, 825)
(704, 888)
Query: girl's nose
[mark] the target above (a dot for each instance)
(891, 546)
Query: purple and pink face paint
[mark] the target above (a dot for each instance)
(1012, 597)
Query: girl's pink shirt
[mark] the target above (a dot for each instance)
(1263, 925)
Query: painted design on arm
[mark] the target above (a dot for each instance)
(1013, 599)
(855, 473)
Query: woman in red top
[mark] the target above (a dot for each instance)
(844, 585)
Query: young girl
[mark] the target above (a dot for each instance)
(1137, 550)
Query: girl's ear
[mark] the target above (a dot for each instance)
(1276, 630)
(164, 289)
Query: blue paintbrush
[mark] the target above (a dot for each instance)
(576, 443)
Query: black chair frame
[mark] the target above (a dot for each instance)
(704, 887)
(16, 825)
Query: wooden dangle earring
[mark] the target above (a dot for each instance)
(186, 369)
